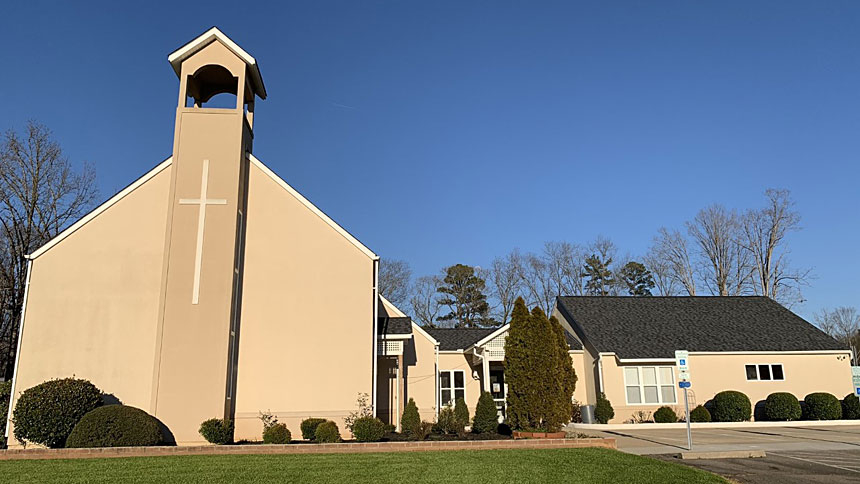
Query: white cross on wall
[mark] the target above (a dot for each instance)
(201, 222)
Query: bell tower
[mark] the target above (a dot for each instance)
(194, 377)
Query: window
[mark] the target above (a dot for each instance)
(649, 385)
(452, 385)
(764, 372)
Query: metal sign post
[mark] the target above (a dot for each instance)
(682, 358)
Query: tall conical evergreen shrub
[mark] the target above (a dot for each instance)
(538, 371)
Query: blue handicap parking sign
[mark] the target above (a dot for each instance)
(683, 361)
(858, 391)
(686, 384)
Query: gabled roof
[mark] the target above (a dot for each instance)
(207, 38)
(572, 342)
(452, 339)
(654, 327)
(398, 325)
(313, 208)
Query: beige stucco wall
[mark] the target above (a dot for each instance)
(713, 373)
(579, 393)
(93, 300)
(460, 361)
(420, 373)
(306, 341)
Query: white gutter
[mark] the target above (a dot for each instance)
(18, 351)
(600, 372)
(438, 396)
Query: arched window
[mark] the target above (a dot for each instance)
(212, 86)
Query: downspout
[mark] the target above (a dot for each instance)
(18, 350)
(375, 334)
(600, 372)
(438, 396)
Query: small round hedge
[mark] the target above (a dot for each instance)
(277, 434)
(486, 415)
(368, 429)
(700, 414)
(327, 433)
(217, 431)
(821, 406)
(309, 427)
(665, 415)
(851, 407)
(782, 406)
(603, 411)
(47, 413)
(116, 426)
(731, 406)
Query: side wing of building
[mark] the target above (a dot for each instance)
(306, 343)
(93, 296)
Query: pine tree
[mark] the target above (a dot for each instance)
(517, 374)
(463, 293)
(637, 279)
(599, 278)
(566, 376)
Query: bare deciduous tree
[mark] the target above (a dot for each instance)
(424, 300)
(506, 284)
(763, 239)
(723, 267)
(554, 272)
(664, 279)
(40, 195)
(394, 277)
(843, 324)
(670, 249)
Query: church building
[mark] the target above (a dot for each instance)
(208, 287)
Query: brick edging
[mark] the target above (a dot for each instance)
(305, 448)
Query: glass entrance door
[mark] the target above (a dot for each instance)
(499, 390)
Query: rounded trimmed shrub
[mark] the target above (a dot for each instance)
(327, 433)
(116, 426)
(821, 406)
(486, 415)
(731, 406)
(47, 413)
(665, 415)
(217, 431)
(277, 434)
(700, 414)
(309, 427)
(851, 407)
(603, 411)
(368, 429)
(410, 421)
(447, 422)
(782, 406)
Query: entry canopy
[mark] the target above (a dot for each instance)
(212, 35)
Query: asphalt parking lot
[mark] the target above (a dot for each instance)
(794, 454)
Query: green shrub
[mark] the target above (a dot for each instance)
(447, 422)
(782, 406)
(665, 415)
(327, 433)
(576, 412)
(217, 431)
(461, 412)
(851, 407)
(700, 414)
(5, 396)
(731, 406)
(821, 406)
(277, 434)
(47, 413)
(116, 426)
(410, 422)
(603, 411)
(486, 415)
(309, 427)
(368, 429)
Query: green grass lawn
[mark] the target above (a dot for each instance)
(497, 466)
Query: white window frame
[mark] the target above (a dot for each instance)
(453, 388)
(758, 374)
(660, 385)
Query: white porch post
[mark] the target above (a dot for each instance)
(485, 366)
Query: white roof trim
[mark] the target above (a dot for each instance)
(179, 55)
(492, 335)
(393, 337)
(416, 327)
(298, 196)
(101, 208)
(387, 303)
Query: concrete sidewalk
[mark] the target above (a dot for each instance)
(644, 441)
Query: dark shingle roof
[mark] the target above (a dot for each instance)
(458, 339)
(654, 327)
(395, 326)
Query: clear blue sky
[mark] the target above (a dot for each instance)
(445, 132)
